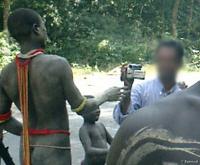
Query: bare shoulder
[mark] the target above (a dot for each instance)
(57, 64)
(8, 67)
(7, 71)
(55, 60)
(101, 126)
(83, 129)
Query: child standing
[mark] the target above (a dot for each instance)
(95, 139)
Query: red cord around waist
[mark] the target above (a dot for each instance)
(5, 116)
(33, 132)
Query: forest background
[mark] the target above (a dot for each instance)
(102, 34)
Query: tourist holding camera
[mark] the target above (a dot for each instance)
(169, 59)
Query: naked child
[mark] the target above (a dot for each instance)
(95, 139)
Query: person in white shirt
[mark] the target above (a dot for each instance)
(169, 59)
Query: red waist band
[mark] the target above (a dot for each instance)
(5, 116)
(33, 132)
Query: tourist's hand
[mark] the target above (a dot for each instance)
(123, 77)
(126, 95)
(125, 100)
(128, 83)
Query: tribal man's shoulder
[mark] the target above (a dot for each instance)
(57, 63)
(54, 60)
(9, 68)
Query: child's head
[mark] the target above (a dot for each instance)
(92, 116)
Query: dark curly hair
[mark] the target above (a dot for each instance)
(20, 23)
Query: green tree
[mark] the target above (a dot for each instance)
(103, 32)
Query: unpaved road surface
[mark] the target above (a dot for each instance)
(90, 84)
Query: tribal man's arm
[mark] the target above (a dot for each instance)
(73, 95)
(7, 122)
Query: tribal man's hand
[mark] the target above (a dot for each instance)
(113, 93)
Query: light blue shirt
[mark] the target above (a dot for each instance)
(142, 95)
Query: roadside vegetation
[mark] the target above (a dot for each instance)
(98, 35)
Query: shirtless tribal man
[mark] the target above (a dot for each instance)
(50, 86)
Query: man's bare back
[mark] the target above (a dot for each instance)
(47, 106)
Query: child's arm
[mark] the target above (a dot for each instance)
(87, 145)
(109, 138)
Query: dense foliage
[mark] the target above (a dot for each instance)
(8, 49)
(103, 32)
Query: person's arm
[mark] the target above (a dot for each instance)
(109, 138)
(125, 107)
(73, 95)
(125, 102)
(128, 83)
(8, 123)
(87, 145)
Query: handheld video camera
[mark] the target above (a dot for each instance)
(132, 71)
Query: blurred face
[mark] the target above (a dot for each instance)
(92, 116)
(167, 63)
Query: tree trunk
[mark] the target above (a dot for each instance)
(190, 17)
(6, 10)
(174, 18)
(162, 12)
